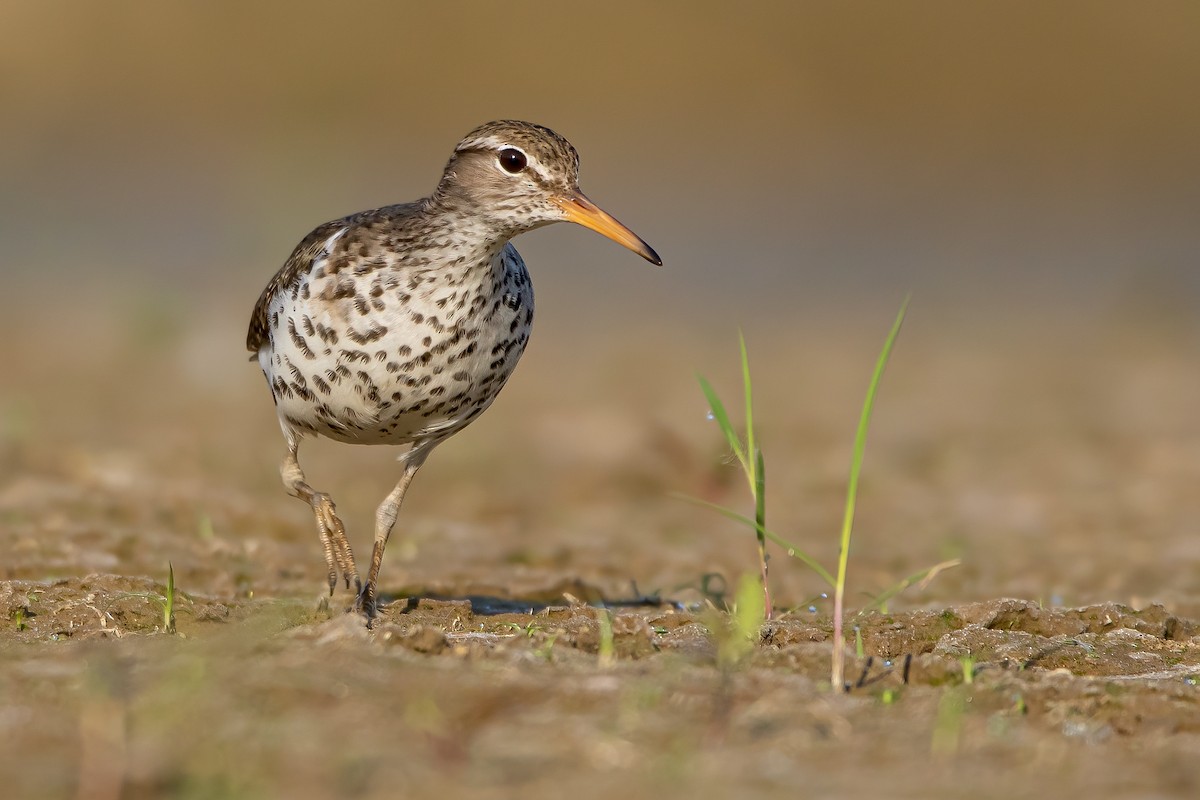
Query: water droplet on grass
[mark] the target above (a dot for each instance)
(710, 416)
(812, 609)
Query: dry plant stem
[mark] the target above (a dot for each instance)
(838, 671)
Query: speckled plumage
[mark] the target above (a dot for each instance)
(400, 325)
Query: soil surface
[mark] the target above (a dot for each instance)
(556, 619)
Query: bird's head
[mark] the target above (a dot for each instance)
(521, 176)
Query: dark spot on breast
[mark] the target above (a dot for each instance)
(299, 340)
(342, 290)
(328, 335)
(371, 334)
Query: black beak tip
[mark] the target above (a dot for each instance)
(652, 256)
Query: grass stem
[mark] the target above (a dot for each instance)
(838, 671)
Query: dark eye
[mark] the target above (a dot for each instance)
(512, 160)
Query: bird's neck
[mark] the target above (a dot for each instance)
(463, 227)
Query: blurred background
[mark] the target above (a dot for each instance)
(1030, 171)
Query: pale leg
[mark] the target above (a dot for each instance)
(385, 520)
(338, 556)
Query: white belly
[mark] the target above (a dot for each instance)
(389, 357)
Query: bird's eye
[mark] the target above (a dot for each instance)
(512, 160)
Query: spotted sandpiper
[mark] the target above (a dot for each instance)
(400, 325)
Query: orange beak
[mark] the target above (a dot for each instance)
(578, 209)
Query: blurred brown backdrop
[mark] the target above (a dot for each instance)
(1030, 170)
(773, 153)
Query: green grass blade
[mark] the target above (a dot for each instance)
(722, 418)
(788, 547)
(860, 446)
(860, 436)
(750, 449)
(760, 494)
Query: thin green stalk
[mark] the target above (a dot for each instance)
(722, 418)
(169, 601)
(748, 455)
(838, 672)
(760, 521)
(753, 468)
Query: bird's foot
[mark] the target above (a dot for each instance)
(339, 558)
(366, 604)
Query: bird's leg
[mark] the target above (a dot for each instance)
(385, 520)
(338, 555)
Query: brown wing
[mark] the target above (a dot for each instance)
(381, 234)
(297, 264)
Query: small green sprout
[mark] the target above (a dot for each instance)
(968, 669)
(607, 652)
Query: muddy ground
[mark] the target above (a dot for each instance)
(1056, 460)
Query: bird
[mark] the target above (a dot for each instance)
(400, 325)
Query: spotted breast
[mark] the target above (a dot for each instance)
(376, 341)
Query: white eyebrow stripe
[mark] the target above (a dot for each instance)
(492, 143)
